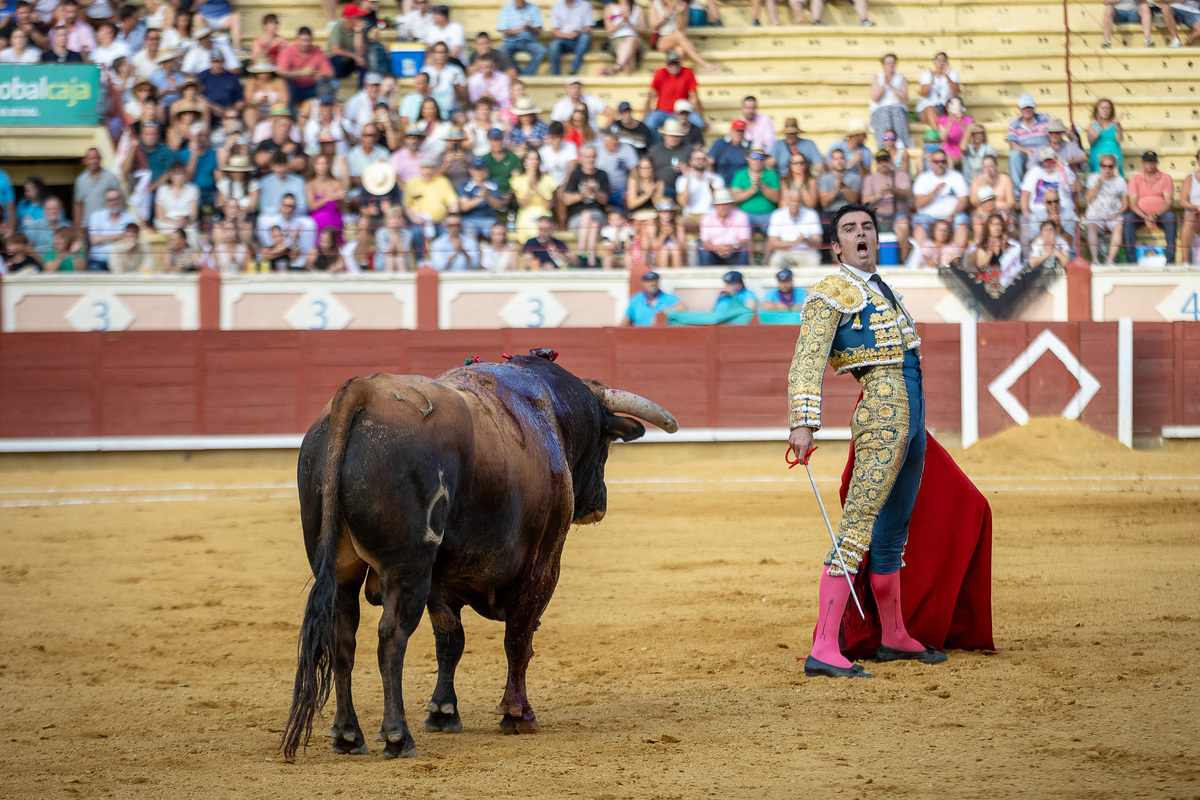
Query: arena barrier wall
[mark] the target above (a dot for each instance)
(92, 391)
(471, 301)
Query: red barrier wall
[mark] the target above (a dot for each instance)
(263, 382)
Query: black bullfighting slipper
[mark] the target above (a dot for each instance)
(814, 668)
(926, 656)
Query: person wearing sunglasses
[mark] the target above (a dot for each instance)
(1107, 199)
(940, 194)
(1047, 191)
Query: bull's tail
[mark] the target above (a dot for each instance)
(318, 632)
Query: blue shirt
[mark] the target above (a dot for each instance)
(135, 39)
(206, 164)
(512, 17)
(642, 310)
(216, 9)
(483, 211)
(745, 297)
(271, 191)
(798, 295)
(224, 89)
(727, 158)
(444, 256)
(862, 149)
(27, 212)
(6, 192)
(518, 137)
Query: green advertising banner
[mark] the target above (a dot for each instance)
(51, 95)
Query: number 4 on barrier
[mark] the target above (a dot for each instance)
(1191, 307)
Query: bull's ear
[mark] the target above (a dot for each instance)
(627, 429)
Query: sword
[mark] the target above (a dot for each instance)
(837, 550)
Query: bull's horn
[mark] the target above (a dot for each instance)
(629, 403)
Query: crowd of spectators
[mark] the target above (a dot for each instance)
(251, 161)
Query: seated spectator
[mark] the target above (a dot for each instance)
(1151, 196)
(793, 234)
(221, 89)
(263, 91)
(483, 47)
(1107, 199)
(791, 144)
(818, 10)
(324, 194)
(227, 255)
(241, 224)
(990, 177)
(520, 24)
(670, 84)
(298, 232)
(238, 184)
(598, 111)
(360, 108)
(502, 162)
(328, 256)
(65, 253)
(393, 242)
(130, 30)
(938, 86)
(410, 105)
(1068, 152)
(278, 253)
(347, 45)
(585, 196)
(433, 128)
(23, 19)
(447, 81)
(759, 127)
(479, 200)
(724, 234)
(1131, 12)
(694, 189)
(839, 186)
(200, 52)
(530, 131)
(1105, 135)
(416, 22)
(616, 160)
(454, 250)
(1049, 175)
(89, 192)
(625, 28)
(668, 20)
(558, 155)
(799, 176)
(693, 135)
(1049, 249)
(1189, 201)
(268, 44)
(177, 204)
(634, 133)
(858, 155)
(614, 238)
(29, 207)
(105, 228)
(146, 167)
(668, 155)
(728, 155)
(571, 22)
(429, 197)
(734, 293)
(178, 33)
(279, 183)
(490, 82)
(19, 261)
(1027, 134)
(181, 255)
(996, 253)
(544, 251)
(451, 34)
(644, 189)
(456, 160)
(407, 160)
(20, 51)
(534, 193)
(666, 244)
(756, 190)
(889, 102)
(974, 150)
(952, 128)
(304, 67)
(59, 53)
(497, 254)
(940, 193)
(940, 250)
(890, 191)
(785, 296)
(648, 303)
(1186, 14)
(42, 229)
(482, 120)
(81, 36)
(579, 132)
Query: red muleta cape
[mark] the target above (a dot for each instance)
(946, 587)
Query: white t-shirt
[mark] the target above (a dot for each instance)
(174, 206)
(700, 192)
(1108, 200)
(943, 206)
(107, 55)
(1038, 181)
(554, 162)
(786, 229)
(939, 94)
(31, 56)
(891, 92)
(452, 35)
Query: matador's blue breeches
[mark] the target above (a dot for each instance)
(888, 431)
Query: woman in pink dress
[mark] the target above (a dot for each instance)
(953, 127)
(324, 193)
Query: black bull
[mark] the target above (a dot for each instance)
(442, 493)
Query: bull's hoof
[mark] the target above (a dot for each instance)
(437, 722)
(348, 741)
(526, 723)
(403, 747)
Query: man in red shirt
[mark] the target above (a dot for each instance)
(669, 84)
(304, 67)
(1151, 195)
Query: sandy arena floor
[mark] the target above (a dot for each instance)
(151, 606)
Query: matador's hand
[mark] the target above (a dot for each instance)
(801, 442)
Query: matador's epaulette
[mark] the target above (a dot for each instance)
(839, 292)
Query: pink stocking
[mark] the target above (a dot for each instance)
(834, 594)
(891, 618)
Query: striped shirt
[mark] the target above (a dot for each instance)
(512, 18)
(1031, 136)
